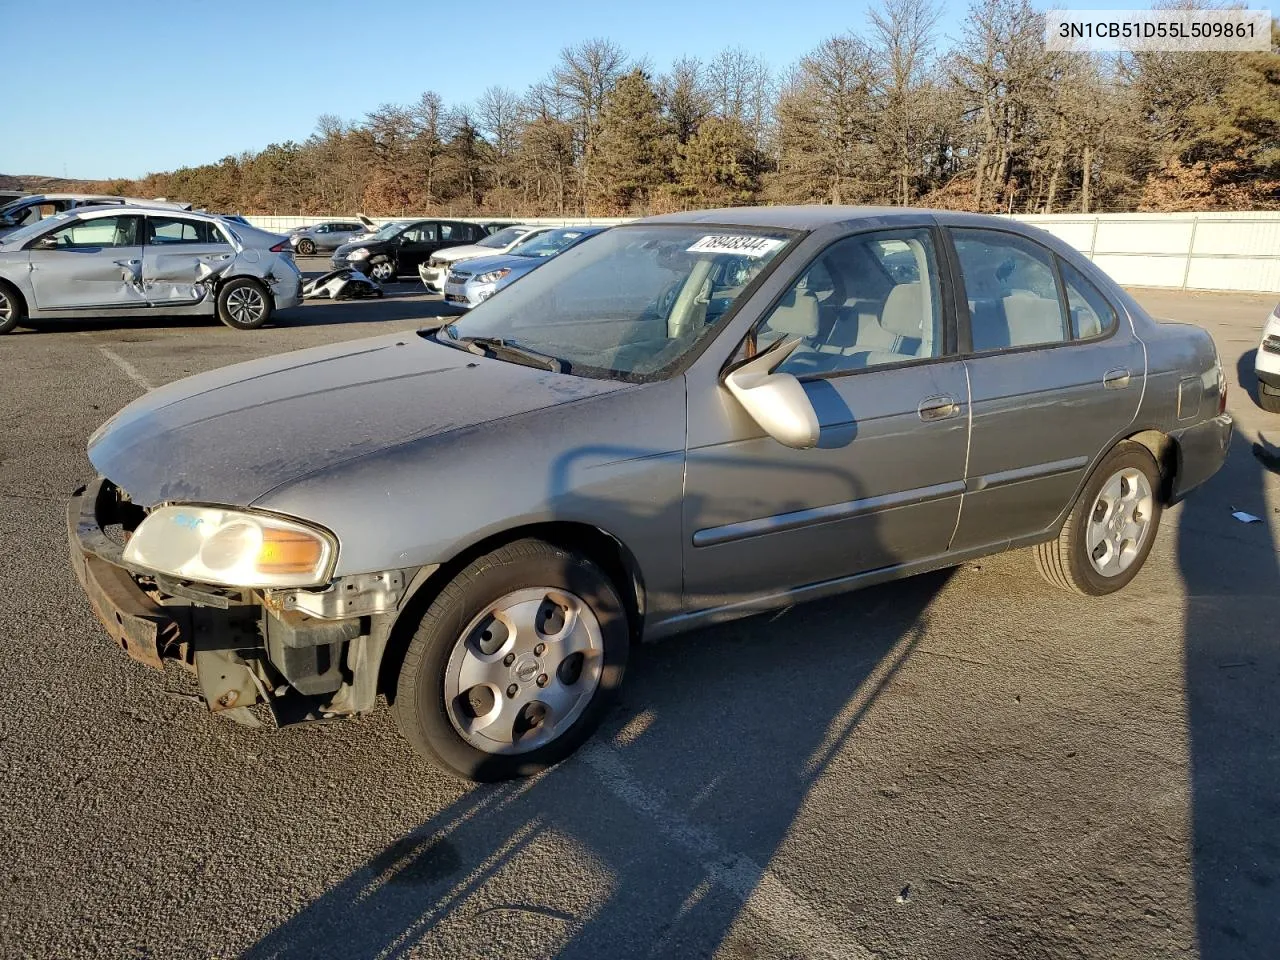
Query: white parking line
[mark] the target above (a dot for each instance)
(758, 889)
(127, 368)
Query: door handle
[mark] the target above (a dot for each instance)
(1116, 379)
(938, 408)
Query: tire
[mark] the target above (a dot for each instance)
(12, 309)
(384, 271)
(1066, 561)
(306, 246)
(557, 597)
(244, 304)
(1268, 397)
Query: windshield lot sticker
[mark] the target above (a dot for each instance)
(737, 244)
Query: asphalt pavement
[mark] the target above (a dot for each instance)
(967, 764)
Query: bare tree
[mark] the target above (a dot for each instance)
(685, 97)
(903, 35)
(582, 80)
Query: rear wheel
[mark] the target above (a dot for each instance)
(306, 246)
(382, 271)
(512, 664)
(243, 304)
(11, 308)
(1111, 528)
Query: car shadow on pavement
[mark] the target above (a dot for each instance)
(1232, 659)
(670, 859)
(660, 836)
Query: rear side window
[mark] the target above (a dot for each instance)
(162, 231)
(1091, 314)
(1012, 291)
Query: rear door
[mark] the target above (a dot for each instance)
(179, 256)
(1055, 373)
(90, 264)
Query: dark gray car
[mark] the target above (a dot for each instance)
(689, 419)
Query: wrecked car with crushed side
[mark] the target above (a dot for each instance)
(691, 418)
(132, 261)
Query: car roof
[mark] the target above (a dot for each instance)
(116, 209)
(813, 216)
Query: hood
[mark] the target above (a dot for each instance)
(232, 435)
(478, 265)
(452, 254)
(373, 246)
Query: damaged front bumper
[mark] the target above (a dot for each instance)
(308, 655)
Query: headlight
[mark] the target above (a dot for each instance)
(230, 548)
(493, 276)
(359, 253)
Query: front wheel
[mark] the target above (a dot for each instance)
(11, 312)
(383, 271)
(1111, 528)
(512, 664)
(243, 304)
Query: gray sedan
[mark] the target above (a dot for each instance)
(689, 419)
(327, 236)
(128, 261)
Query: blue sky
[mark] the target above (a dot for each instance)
(110, 89)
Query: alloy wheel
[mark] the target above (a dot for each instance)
(1119, 522)
(246, 304)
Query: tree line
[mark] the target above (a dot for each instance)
(886, 115)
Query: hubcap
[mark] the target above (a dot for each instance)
(1119, 522)
(382, 271)
(246, 304)
(6, 308)
(523, 670)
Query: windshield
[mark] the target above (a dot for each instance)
(503, 237)
(548, 244)
(632, 303)
(389, 230)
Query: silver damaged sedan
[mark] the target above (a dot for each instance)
(691, 418)
(142, 260)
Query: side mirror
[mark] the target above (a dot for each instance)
(776, 401)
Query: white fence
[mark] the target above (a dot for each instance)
(1187, 251)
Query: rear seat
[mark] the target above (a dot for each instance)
(1021, 319)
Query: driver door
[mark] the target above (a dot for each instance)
(882, 487)
(416, 246)
(88, 265)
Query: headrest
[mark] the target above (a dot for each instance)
(796, 315)
(904, 312)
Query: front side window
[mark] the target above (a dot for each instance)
(1011, 289)
(98, 232)
(632, 304)
(166, 231)
(865, 301)
(422, 233)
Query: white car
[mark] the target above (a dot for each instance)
(434, 270)
(1267, 364)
